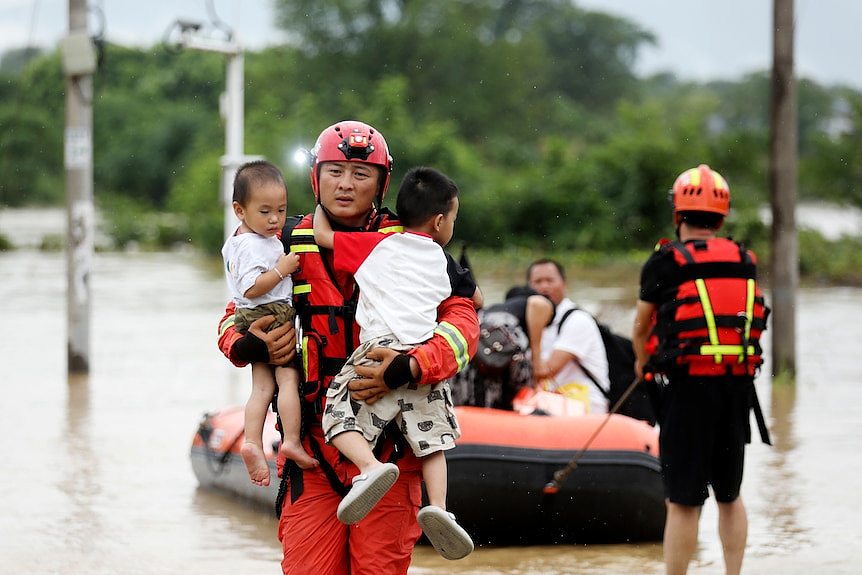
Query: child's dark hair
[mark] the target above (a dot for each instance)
(424, 193)
(255, 173)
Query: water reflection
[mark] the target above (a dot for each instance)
(97, 478)
(80, 471)
(780, 493)
(545, 560)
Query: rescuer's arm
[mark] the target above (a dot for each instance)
(257, 345)
(640, 333)
(447, 352)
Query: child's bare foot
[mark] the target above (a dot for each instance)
(301, 457)
(255, 463)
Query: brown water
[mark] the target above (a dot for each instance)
(96, 476)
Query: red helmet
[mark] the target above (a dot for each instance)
(700, 189)
(355, 142)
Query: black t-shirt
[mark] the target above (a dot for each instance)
(659, 273)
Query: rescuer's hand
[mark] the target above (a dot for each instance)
(280, 342)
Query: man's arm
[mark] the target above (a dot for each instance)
(640, 332)
(539, 313)
(276, 347)
(558, 360)
(447, 352)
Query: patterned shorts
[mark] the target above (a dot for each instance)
(424, 413)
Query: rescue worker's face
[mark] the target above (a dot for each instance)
(347, 191)
(546, 279)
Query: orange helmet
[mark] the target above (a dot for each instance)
(355, 142)
(700, 189)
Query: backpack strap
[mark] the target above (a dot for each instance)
(595, 381)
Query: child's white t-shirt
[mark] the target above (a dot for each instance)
(248, 255)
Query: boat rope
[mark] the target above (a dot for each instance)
(560, 475)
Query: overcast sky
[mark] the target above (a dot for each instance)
(697, 39)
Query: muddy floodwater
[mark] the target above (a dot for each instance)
(96, 477)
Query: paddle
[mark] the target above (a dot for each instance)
(553, 486)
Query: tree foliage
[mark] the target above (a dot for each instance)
(532, 106)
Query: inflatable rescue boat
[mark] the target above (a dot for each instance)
(498, 474)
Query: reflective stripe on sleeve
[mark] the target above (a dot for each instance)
(226, 324)
(456, 341)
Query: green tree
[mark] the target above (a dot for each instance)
(31, 134)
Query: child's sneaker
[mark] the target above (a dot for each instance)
(448, 538)
(367, 490)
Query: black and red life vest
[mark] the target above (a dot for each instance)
(326, 302)
(713, 312)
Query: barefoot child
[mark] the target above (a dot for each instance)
(258, 277)
(402, 278)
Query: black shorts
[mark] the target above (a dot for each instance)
(704, 429)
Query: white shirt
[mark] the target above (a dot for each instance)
(580, 337)
(402, 279)
(248, 255)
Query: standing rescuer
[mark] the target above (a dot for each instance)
(697, 327)
(350, 174)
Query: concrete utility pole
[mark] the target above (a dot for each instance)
(783, 158)
(79, 65)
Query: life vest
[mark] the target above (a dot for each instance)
(325, 301)
(711, 321)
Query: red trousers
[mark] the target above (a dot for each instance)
(316, 543)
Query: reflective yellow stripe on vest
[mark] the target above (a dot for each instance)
(391, 229)
(299, 289)
(709, 315)
(749, 313)
(303, 247)
(714, 348)
(725, 349)
(456, 341)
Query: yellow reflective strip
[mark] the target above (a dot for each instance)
(708, 314)
(305, 357)
(303, 246)
(695, 177)
(749, 307)
(749, 311)
(226, 324)
(456, 341)
(299, 289)
(391, 229)
(723, 349)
